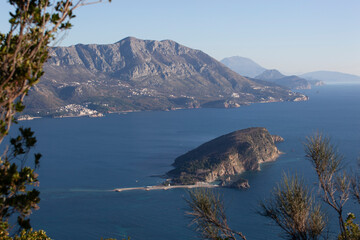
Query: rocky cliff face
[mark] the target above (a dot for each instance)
(135, 74)
(277, 138)
(226, 156)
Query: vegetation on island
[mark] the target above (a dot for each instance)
(225, 157)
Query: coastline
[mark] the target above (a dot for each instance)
(160, 187)
(103, 114)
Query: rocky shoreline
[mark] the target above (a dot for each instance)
(223, 159)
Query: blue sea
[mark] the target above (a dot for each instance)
(84, 158)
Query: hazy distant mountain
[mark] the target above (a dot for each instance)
(332, 77)
(248, 67)
(243, 66)
(292, 82)
(135, 74)
(270, 75)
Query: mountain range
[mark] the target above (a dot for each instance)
(292, 82)
(247, 67)
(134, 75)
(331, 77)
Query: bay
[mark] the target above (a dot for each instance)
(84, 158)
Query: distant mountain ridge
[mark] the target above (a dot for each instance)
(134, 74)
(292, 82)
(271, 75)
(243, 66)
(248, 67)
(331, 77)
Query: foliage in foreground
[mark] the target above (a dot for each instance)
(352, 229)
(291, 205)
(16, 178)
(23, 51)
(208, 214)
(24, 234)
(294, 210)
(335, 185)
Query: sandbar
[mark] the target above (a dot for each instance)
(163, 187)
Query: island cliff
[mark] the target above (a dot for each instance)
(224, 158)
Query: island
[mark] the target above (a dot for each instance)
(220, 162)
(223, 159)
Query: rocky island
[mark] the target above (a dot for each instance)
(219, 162)
(224, 158)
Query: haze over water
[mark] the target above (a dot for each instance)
(85, 157)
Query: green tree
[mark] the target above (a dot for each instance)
(25, 49)
(24, 234)
(16, 177)
(34, 24)
(352, 229)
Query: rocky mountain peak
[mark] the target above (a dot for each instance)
(134, 74)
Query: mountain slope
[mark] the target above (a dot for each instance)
(332, 77)
(247, 67)
(292, 82)
(270, 75)
(135, 74)
(243, 66)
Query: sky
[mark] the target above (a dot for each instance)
(293, 36)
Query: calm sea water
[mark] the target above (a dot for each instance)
(86, 157)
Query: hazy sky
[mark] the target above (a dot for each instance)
(294, 36)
